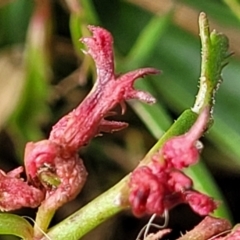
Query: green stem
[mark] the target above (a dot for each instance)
(214, 54)
(91, 215)
(203, 95)
(43, 219)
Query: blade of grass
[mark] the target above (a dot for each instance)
(32, 108)
(11, 224)
(234, 5)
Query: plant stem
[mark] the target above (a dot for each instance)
(43, 219)
(214, 54)
(91, 215)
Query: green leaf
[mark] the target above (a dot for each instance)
(11, 224)
(75, 25)
(17, 14)
(234, 5)
(79, 19)
(32, 109)
(216, 10)
(147, 41)
(155, 116)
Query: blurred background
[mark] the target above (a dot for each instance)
(44, 75)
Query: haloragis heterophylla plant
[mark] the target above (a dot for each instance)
(56, 174)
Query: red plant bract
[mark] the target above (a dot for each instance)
(58, 155)
(161, 185)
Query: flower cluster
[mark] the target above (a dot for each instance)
(161, 185)
(55, 173)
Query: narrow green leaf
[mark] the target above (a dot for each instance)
(156, 117)
(91, 215)
(14, 16)
(234, 5)
(11, 224)
(216, 10)
(79, 19)
(32, 109)
(75, 25)
(148, 40)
